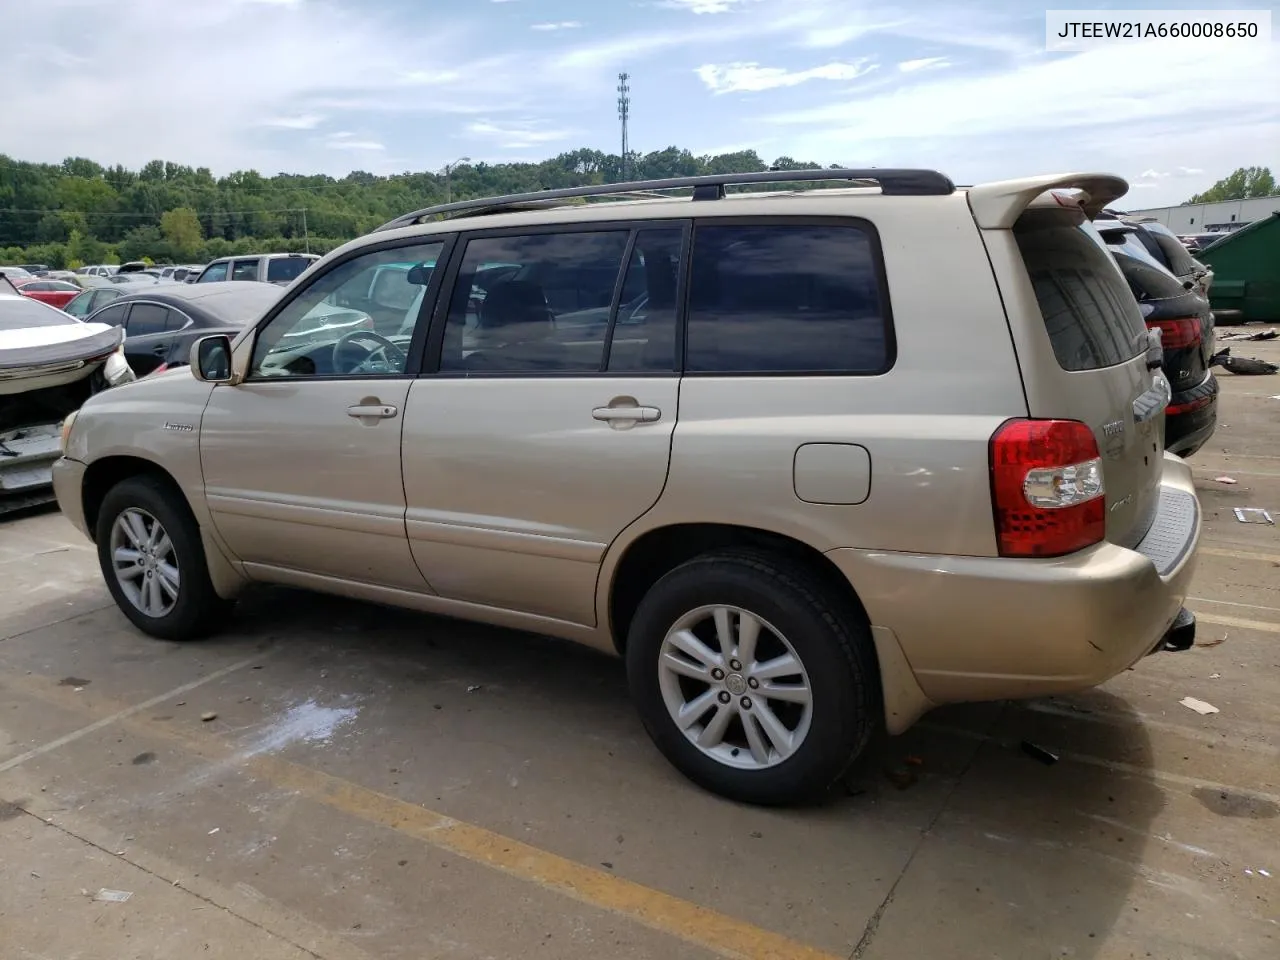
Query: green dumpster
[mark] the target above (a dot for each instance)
(1246, 273)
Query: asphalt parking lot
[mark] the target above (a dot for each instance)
(371, 783)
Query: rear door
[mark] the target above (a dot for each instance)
(1082, 347)
(149, 331)
(540, 436)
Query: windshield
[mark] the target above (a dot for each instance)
(23, 313)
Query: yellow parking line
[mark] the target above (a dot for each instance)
(1239, 554)
(683, 919)
(1262, 625)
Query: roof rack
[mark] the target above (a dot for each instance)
(892, 182)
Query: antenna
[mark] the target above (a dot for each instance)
(624, 112)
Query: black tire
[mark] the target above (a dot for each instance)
(198, 610)
(831, 640)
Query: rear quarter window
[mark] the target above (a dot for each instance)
(1092, 318)
(787, 298)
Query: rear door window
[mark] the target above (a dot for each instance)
(213, 273)
(1092, 319)
(245, 270)
(549, 315)
(787, 298)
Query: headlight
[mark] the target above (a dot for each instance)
(66, 432)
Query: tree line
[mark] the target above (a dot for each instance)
(80, 212)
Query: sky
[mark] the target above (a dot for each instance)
(328, 86)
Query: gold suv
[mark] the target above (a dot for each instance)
(811, 460)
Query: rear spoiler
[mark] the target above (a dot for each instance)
(997, 206)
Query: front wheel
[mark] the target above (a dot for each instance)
(153, 561)
(752, 678)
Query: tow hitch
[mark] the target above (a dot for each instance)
(1182, 635)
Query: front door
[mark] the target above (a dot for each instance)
(302, 459)
(544, 433)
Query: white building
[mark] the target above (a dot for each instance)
(1211, 217)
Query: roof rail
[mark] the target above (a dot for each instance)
(892, 182)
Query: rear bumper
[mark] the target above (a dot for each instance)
(1191, 418)
(985, 628)
(26, 458)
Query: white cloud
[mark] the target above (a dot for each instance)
(705, 6)
(1153, 175)
(1190, 171)
(753, 78)
(305, 121)
(516, 134)
(923, 63)
(345, 140)
(557, 25)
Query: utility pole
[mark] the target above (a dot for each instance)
(624, 113)
(306, 237)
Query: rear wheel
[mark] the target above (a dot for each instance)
(751, 678)
(153, 561)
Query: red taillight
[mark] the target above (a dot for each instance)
(160, 369)
(1174, 409)
(1046, 488)
(1183, 332)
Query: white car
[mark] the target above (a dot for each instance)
(50, 363)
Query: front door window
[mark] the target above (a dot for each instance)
(356, 320)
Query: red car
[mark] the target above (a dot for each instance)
(56, 293)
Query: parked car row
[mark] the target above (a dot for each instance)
(1172, 289)
(812, 463)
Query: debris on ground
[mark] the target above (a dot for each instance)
(1253, 515)
(1243, 366)
(1215, 676)
(1214, 643)
(214, 830)
(112, 896)
(209, 715)
(1039, 753)
(1225, 480)
(474, 687)
(1199, 706)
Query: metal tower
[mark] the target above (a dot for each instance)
(624, 112)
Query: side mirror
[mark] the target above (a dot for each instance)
(211, 359)
(419, 274)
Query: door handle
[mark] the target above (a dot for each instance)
(160, 349)
(372, 411)
(627, 414)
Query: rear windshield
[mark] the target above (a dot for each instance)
(1149, 282)
(22, 313)
(286, 268)
(1092, 319)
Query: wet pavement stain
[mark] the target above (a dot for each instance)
(11, 810)
(140, 759)
(1227, 804)
(73, 682)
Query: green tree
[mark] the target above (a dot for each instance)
(1243, 184)
(181, 227)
